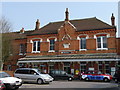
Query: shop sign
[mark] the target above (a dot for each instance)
(91, 69)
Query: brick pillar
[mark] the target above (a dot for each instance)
(61, 66)
(46, 67)
(95, 65)
(87, 65)
(56, 66)
(77, 69)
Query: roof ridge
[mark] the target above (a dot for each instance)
(73, 20)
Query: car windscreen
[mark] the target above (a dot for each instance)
(3, 75)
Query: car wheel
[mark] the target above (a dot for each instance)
(16, 88)
(106, 79)
(116, 80)
(69, 79)
(87, 79)
(39, 81)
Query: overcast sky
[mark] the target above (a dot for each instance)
(25, 14)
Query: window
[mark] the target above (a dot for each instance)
(107, 67)
(82, 67)
(52, 44)
(102, 42)
(32, 72)
(21, 48)
(100, 66)
(36, 46)
(22, 71)
(67, 67)
(51, 67)
(83, 43)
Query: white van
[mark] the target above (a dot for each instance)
(32, 75)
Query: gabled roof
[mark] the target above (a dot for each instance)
(80, 24)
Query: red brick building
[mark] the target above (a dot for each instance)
(71, 45)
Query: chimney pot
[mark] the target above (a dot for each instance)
(37, 25)
(66, 15)
(22, 30)
(113, 20)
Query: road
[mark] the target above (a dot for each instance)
(70, 84)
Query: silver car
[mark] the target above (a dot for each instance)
(32, 75)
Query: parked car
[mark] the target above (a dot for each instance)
(116, 77)
(96, 75)
(61, 75)
(10, 82)
(32, 75)
(2, 86)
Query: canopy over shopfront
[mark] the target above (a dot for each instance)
(70, 58)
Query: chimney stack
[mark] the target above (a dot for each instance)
(66, 15)
(22, 30)
(37, 25)
(113, 20)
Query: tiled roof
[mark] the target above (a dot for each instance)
(18, 35)
(80, 24)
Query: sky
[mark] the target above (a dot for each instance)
(25, 14)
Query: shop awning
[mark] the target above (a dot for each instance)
(65, 60)
(71, 58)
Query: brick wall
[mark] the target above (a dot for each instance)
(70, 32)
(118, 45)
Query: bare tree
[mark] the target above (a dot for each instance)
(5, 40)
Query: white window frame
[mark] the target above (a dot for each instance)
(80, 46)
(36, 47)
(78, 38)
(40, 40)
(102, 48)
(48, 40)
